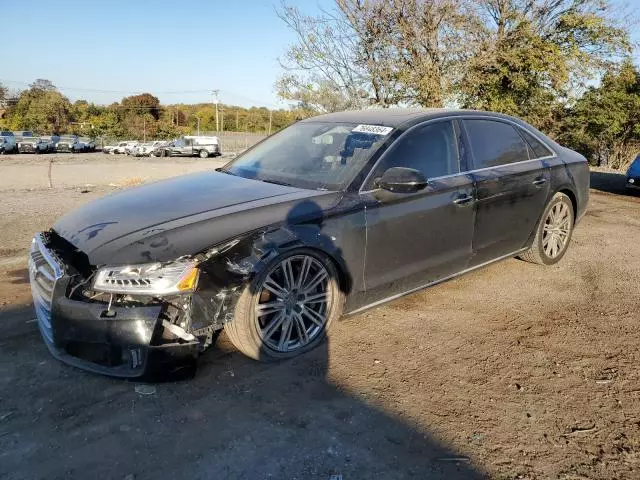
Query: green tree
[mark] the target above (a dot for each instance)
(144, 103)
(604, 124)
(533, 55)
(41, 108)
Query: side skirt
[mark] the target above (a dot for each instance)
(435, 282)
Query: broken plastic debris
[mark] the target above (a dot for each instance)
(145, 389)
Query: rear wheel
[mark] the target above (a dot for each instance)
(554, 232)
(204, 154)
(288, 307)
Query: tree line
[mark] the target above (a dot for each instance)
(564, 66)
(42, 108)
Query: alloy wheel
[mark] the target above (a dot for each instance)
(557, 228)
(293, 303)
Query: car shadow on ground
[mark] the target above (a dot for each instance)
(236, 419)
(611, 182)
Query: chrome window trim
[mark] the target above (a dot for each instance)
(461, 117)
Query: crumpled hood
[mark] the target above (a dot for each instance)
(154, 222)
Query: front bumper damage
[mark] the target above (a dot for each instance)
(119, 335)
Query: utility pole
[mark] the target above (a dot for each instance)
(222, 119)
(270, 118)
(215, 94)
(198, 125)
(144, 129)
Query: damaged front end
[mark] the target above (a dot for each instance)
(129, 321)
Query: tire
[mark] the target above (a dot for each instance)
(245, 330)
(541, 251)
(203, 154)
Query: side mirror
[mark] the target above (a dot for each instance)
(402, 180)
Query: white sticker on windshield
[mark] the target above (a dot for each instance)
(375, 129)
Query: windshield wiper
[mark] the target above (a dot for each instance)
(275, 182)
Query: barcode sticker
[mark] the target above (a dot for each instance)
(375, 129)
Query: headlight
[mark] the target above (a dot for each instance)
(148, 279)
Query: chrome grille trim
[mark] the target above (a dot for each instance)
(44, 272)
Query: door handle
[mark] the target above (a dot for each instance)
(463, 200)
(539, 182)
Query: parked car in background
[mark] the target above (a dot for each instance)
(69, 143)
(157, 151)
(130, 147)
(633, 174)
(145, 149)
(23, 133)
(117, 148)
(51, 140)
(192, 146)
(88, 145)
(334, 214)
(34, 145)
(8, 142)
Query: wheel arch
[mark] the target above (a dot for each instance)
(568, 191)
(250, 253)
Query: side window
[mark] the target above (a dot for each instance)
(539, 150)
(495, 143)
(432, 149)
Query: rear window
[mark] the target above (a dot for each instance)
(495, 143)
(539, 150)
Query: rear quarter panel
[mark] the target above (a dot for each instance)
(573, 176)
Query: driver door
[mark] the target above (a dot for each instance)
(414, 239)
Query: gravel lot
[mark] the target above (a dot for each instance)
(514, 371)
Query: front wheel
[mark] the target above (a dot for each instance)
(554, 232)
(204, 154)
(287, 308)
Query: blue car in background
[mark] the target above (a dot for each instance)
(633, 174)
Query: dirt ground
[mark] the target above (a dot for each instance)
(513, 371)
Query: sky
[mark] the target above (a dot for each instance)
(106, 49)
(161, 47)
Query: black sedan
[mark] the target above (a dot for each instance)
(330, 216)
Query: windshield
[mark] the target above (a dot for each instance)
(314, 155)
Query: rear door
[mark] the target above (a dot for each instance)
(416, 238)
(512, 187)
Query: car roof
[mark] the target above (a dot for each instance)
(400, 117)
